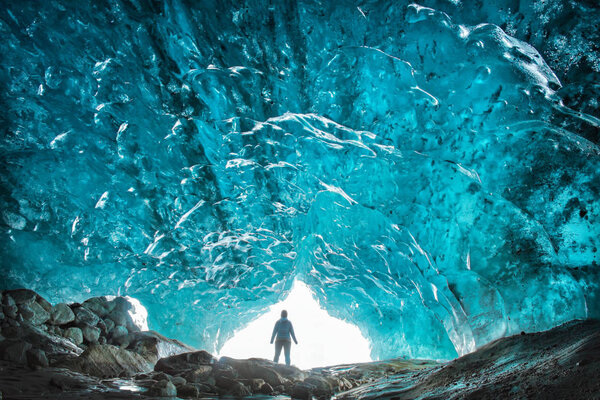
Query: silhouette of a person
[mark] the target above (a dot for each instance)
(283, 330)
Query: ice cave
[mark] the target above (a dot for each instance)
(429, 172)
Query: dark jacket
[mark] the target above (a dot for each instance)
(283, 330)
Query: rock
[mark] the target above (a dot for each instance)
(188, 391)
(240, 390)
(256, 385)
(184, 362)
(121, 303)
(107, 361)
(7, 300)
(14, 350)
(160, 376)
(55, 347)
(102, 340)
(102, 326)
(61, 314)
(22, 296)
(118, 335)
(34, 313)
(178, 380)
(266, 389)
(205, 387)
(322, 387)
(224, 371)
(85, 316)
(74, 334)
(163, 389)
(45, 304)
(153, 346)
(36, 358)
(98, 305)
(118, 316)
(287, 371)
(10, 310)
(90, 334)
(110, 325)
(302, 391)
(230, 385)
(255, 368)
(199, 374)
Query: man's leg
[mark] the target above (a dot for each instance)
(286, 348)
(277, 351)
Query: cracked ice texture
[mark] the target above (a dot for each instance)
(432, 176)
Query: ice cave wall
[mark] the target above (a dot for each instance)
(431, 171)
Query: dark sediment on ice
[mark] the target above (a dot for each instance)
(94, 350)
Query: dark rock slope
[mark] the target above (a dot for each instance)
(93, 350)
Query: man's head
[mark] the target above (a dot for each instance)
(284, 314)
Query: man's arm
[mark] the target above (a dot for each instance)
(292, 333)
(275, 328)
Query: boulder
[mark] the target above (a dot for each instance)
(321, 385)
(45, 304)
(10, 310)
(178, 380)
(231, 385)
(14, 350)
(199, 375)
(98, 305)
(153, 346)
(55, 347)
(118, 336)
(74, 334)
(7, 300)
(119, 316)
(266, 389)
(22, 296)
(85, 316)
(34, 313)
(224, 371)
(90, 334)
(61, 314)
(102, 326)
(302, 391)
(188, 391)
(184, 362)
(163, 388)
(36, 358)
(240, 390)
(107, 361)
(110, 325)
(255, 368)
(253, 384)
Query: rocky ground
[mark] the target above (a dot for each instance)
(94, 350)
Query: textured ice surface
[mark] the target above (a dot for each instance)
(430, 174)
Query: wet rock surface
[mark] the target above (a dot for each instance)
(40, 360)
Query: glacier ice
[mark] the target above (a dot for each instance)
(431, 171)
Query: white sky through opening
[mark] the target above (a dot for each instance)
(322, 339)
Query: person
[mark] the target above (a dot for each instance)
(283, 330)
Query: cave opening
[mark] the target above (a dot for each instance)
(322, 339)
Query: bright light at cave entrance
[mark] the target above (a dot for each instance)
(322, 339)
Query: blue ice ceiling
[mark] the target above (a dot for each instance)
(431, 171)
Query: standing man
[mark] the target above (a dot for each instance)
(283, 330)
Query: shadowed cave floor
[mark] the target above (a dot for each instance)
(39, 363)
